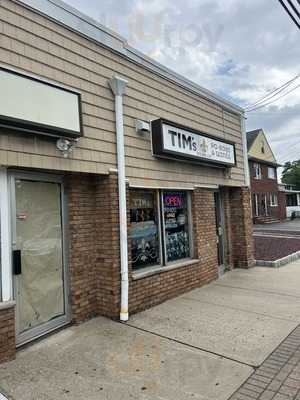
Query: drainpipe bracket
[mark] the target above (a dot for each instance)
(118, 85)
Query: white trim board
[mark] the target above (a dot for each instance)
(6, 273)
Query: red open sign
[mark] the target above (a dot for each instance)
(173, 201)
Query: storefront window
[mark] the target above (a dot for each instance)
(144, 229)
(150, 233)
(176, 225)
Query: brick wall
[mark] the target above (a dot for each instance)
(7, 332)
(94, 261)
(108, 247)
(282, 205)
(260, 185)
(265, 186)
(241, 229)
(82, 254)
(155, 289)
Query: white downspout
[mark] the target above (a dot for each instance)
(245, 150)
(118, 87)
(6, 273)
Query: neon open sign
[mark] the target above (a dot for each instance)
(173, 201)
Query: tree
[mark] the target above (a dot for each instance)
(291, 173)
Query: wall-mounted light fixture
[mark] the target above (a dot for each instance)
(142, 127)
(66, 146)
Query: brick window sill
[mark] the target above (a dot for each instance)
(146, 272)
(7, 304)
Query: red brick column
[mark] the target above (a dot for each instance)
(94, 259)
(282, 205)
(82, 236)
(242, 244)
(7, 332)
(108, 272)
(205, 236)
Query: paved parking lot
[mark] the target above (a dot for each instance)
(202, 345)
(276, 240)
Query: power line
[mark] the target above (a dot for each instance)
(290, 13)
(272, 101)
(291, 159)
(294, 8)
(276, 112)
(292, 154)
(274, 92)
(286, 150)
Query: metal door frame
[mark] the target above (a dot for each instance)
(47, 327)
(219, 207)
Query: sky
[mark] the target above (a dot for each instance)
(239, 49)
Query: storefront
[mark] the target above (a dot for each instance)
(122, 183)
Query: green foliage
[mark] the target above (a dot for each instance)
(291, 173)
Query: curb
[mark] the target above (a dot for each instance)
(280, 262)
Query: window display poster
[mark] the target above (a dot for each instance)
(176, 225)
(144, 229)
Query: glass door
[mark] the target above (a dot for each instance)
(38, 256)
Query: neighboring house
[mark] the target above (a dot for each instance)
(268, 203)
(292, 196)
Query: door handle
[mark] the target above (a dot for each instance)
(17, 262)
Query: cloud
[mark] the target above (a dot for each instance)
(241, 50)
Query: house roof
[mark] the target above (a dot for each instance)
(254, 150)
(251, 136)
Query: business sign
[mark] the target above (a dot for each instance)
(31, 105)
(172, 140)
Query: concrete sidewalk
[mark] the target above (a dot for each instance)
(288, 225)
(202, 345)
(278, 378)
(242, 316)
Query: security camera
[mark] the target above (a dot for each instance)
(63, 144)
(66, 146)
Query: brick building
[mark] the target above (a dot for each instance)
(122, 184)
(268, 202)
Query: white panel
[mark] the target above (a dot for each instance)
(6, 273)
(37, 102)
(187, 143)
